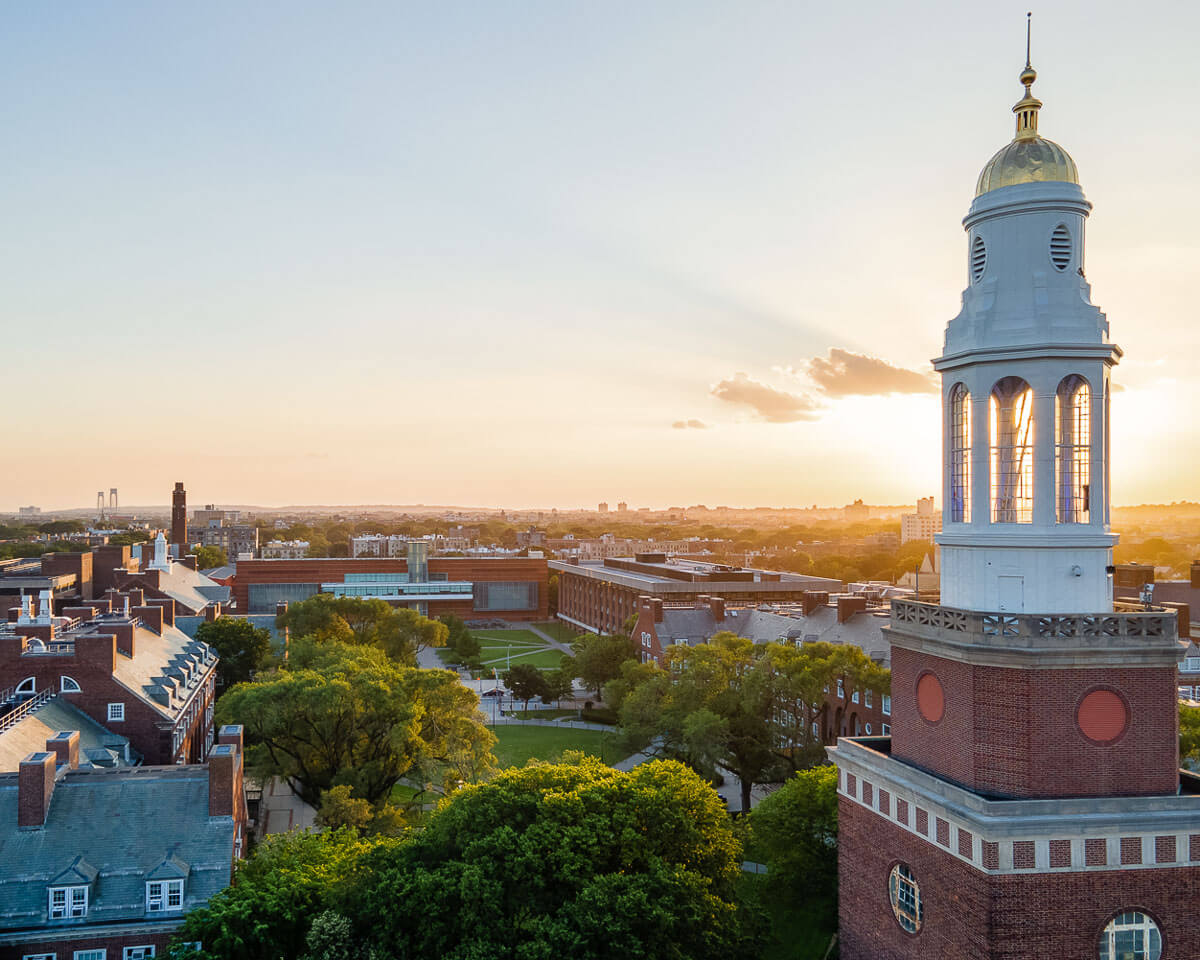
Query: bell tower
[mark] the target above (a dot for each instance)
(1028, 802)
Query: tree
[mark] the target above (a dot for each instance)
(736, 707)
(242, 647)
(795, 828)
(344, 714)
(400, 633)
(598, 659)
(525, 682)
(209, 557)
(559, 684)
(561, 860)
(266, 913)
(1189, 736)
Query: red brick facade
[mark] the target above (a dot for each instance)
(65, 947)
(971, 915)
(471, 569)
(1013, 733)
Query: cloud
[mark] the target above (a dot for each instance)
(774, 406)
(846, 374)
(690, 425)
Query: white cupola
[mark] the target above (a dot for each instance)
(1025, 389)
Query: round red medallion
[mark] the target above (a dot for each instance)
(1102, 716)
(931, 699)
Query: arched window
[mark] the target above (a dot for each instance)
(1073, 449)
(28, 685)
(960, 454)
(1011, 415)
(1131, 934)
(68, 685)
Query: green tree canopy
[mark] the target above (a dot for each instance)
(344, 714)
(598, 659)
(209, 557)
(525, 682)
(547, 861)
(266, 913)
(401, 633)
(242, 647)
(795, 830)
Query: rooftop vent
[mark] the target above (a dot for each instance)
(1060, 247)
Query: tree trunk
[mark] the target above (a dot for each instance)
(746, 788)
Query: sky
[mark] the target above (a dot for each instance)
(551, 254)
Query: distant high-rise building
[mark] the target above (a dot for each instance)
(622, 507)
(922, 525)
(603, 507)
(179, 525)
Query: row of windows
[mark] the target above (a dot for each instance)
(1011, 435)
(71, 903)
(101, 953)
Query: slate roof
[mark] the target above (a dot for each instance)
(766, 623)
(126, 826)
(191, 590)
(97, 744)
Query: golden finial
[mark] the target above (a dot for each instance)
(1028, 106)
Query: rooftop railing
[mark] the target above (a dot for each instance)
(933, 620)
(24, 708)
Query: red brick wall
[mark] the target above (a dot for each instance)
(65, 948)
(1009, 732)
(970, 915)
(473, 569)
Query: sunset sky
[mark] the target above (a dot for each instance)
(556, 253)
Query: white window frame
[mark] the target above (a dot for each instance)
(867, 729)
(68, 684)
(116, 713)
(841, 691)
(138, 953)
(28, 685)
(854, 697)
(867, 698)
(885, 729)
(158, 896)
(39, 956)
(74, 904)
(887, 705)
(95, 953)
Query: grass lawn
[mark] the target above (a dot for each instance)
(518, 744)
(547, 714)
(558, 630)
(542, 658)
(509, 636)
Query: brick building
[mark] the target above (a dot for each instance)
(122, 661)
(502, 588)
(854, 619)
(600, 597)
(1029, 801)
(104, 864)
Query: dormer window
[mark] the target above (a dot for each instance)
(164, 896)
(68, 903)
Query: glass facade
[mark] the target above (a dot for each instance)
(519, 595)
(264, 596)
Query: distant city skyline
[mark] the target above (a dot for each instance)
(684, 253)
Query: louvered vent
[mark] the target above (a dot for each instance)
(978, 259)
(1060, 247)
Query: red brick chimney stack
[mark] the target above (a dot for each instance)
(65, 746)
(35, 785)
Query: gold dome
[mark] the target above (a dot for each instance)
(1029, 158)
(1027, 161)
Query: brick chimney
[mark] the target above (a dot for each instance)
(231, 733)
(79, 613)
(848, 605)
(1184, 612)
(167, 605)
(151, 616)
(225, 796)
(812, 601)
(137, 596)
(65, 746)
(35, 785)
(188, 560)
(717, 607)
(657, 606)
(212, 611)
(98, 650)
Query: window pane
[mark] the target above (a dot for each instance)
(1011, 414)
